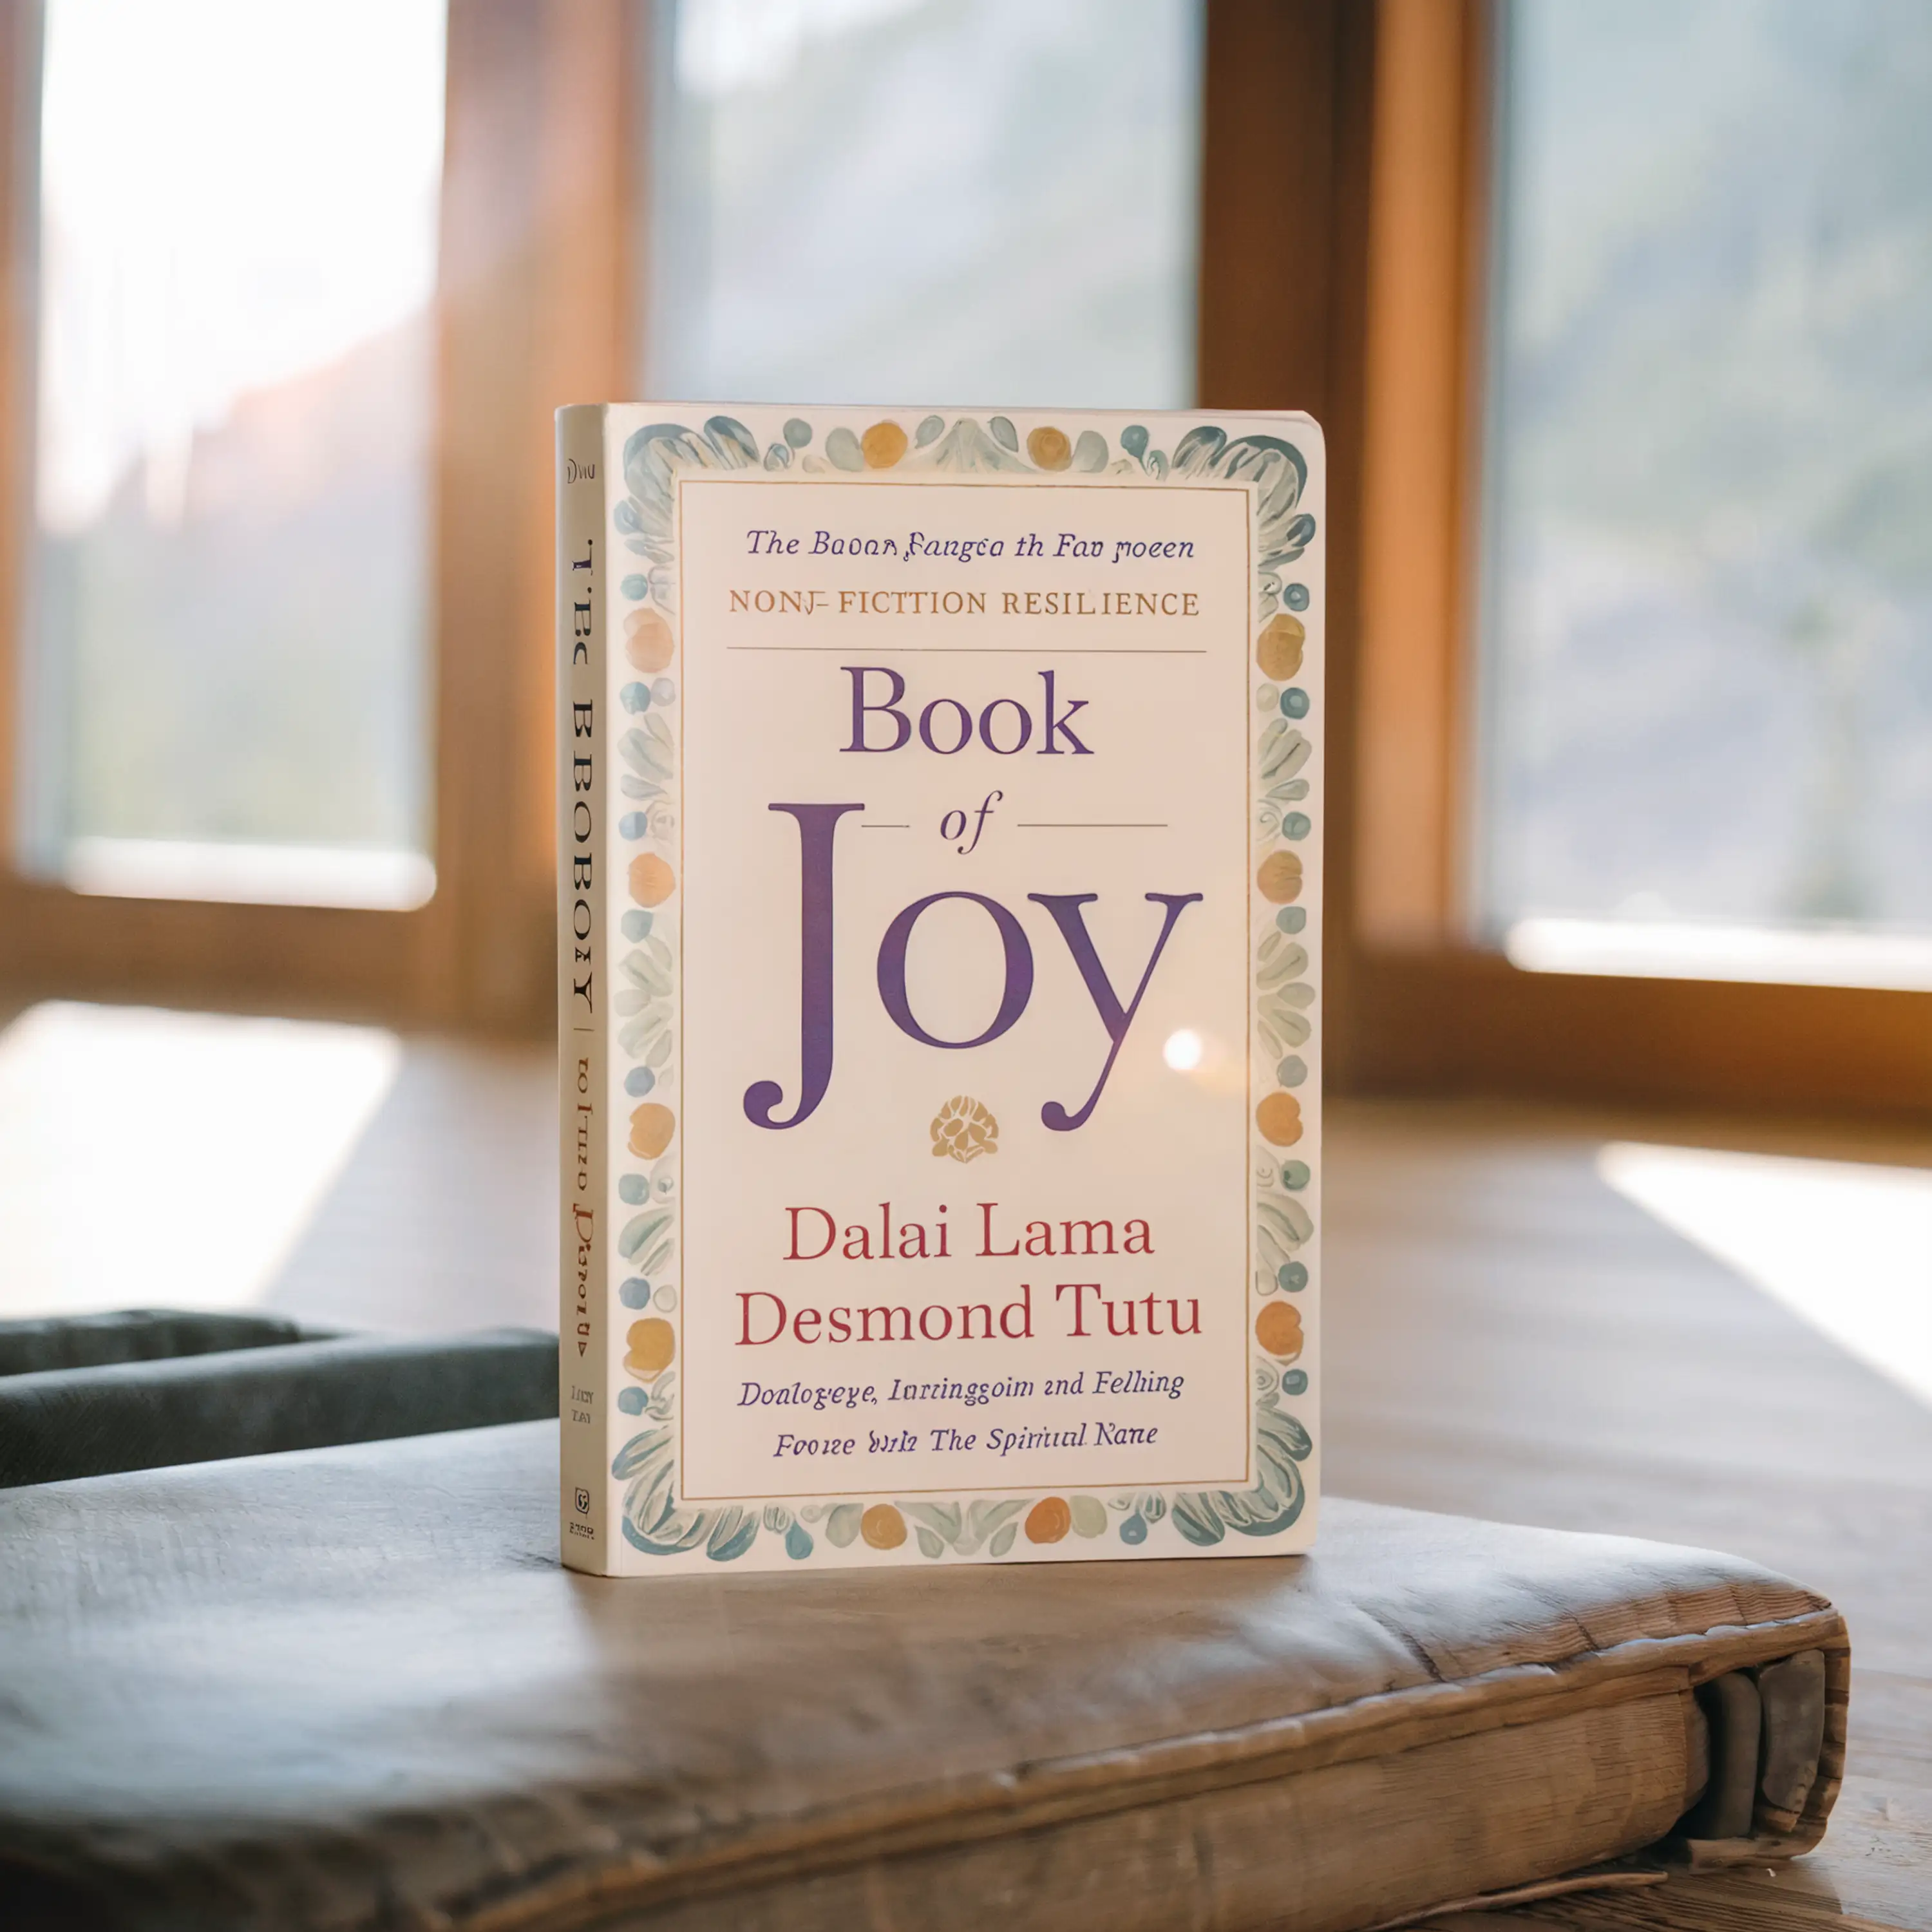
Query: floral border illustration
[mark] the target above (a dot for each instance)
(645, 1006)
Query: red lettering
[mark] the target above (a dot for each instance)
(746, 1340)
(831, 1231)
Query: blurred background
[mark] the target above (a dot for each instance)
(1618, 314)
(1615, 315)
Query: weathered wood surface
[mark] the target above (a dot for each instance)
(1507, 1336)
(318, 1689)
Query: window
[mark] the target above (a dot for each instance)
(925, 200)
(1556, 277)
(225, 669)
(1707, 598)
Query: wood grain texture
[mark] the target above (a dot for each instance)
(532, 311)
(1774, 1899)
(1416, 1006)
(1259, 1855)
(1418, 458)
(1287, 116)
(50, 938)
(1508, 1336)
(1265, 323)
(535, 275)
(316, 960)
(1459, 1020)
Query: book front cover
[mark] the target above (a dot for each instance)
(958, 893)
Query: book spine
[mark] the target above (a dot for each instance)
(583, 989)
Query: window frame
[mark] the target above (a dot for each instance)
(531, 311)
(1430, 1007)
(1345, 185)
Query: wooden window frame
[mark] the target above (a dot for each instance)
(1387, 345)
(531, 310)
(1345, 188)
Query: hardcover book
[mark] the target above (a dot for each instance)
(939, 808)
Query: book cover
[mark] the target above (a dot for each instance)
(940, 818)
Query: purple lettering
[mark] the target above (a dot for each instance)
(1065, 907)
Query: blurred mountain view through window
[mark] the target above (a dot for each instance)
(229, 670)
(1707, 715)
(925, 202)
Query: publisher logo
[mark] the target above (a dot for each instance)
(583, 1502)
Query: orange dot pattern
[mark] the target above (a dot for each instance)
(652, 881)
(1049, 1520)
(1279, 1118)
(1278, 652)
(883, 444)
(1049, 448)
(1279, 878)
(652, 1345)
(883, 1527)
(648, 642)
(1278, 1329)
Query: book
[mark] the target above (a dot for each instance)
(940, 797)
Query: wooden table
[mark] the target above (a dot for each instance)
(1508, 1337)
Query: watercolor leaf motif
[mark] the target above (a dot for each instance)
(1280, 959)
(946, 1521)
(646, 977)
(1282, 1225)
(646, 1240)
(1269, 817)
(1284, 750)
(1281, 995)
(986, 1516)
(1204, 1516)
(663, 1392)
(653, 456)
(643, 1002)
(943, 1526)
(652, 1522)
(648, 749)
(733, 1533)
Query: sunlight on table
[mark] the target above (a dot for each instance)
(162, 1159)
(1845, 1246)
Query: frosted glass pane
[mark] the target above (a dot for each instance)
(926, 200)
(229, 601)
(1708, 591)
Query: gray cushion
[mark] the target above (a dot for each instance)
(351, 1688)
(61, 1423)
(137, 1335)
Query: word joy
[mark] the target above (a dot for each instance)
(817, 829)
